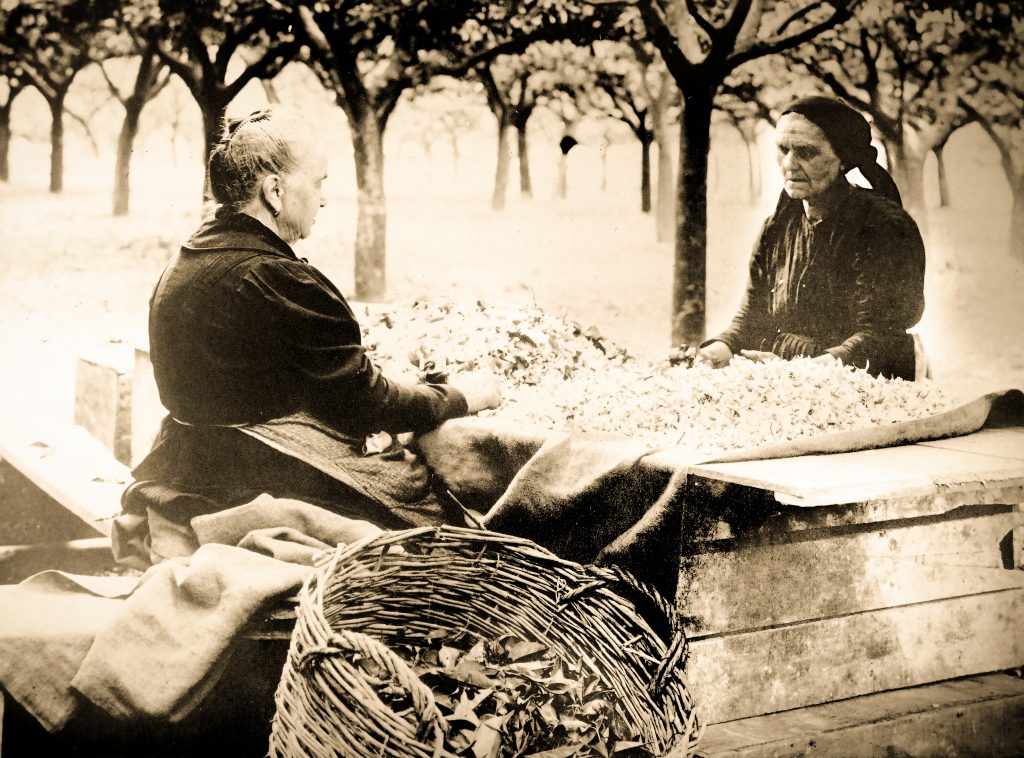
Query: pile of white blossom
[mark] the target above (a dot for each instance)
(558, 375)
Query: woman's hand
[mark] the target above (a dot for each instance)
(480, 389)
(715, 354)
(759, 356)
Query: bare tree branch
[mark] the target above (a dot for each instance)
(698, 18)
(263, 67)
(1004, 148)
(728, 34)
(797, 16)
(114, 89)
(84, 123)
(664, 39)
(842, 10)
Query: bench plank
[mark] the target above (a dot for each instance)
(72, 467)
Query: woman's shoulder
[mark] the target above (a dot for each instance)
(874, 209)
(292, 278)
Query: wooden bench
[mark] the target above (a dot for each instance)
(72, 467)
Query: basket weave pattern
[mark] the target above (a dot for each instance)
(398, 587)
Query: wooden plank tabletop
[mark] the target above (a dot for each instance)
(990, 457)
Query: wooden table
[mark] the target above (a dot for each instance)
(811, 579)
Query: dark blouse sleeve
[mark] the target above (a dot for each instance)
(750, 329)
(888, 288)
(334, 378)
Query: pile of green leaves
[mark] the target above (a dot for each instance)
(510, 697)
(557, 375)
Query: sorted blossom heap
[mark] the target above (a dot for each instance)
(558, 375)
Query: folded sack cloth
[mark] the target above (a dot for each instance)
(230, 526)
(165, 647)
(47, 626)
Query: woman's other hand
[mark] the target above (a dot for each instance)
(715, 354)
(759, 356)
(480, 389)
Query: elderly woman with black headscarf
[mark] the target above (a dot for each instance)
(838, 270)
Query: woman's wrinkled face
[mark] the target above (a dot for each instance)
(302, 194)
(808, 162)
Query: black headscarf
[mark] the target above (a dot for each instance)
(849, 134)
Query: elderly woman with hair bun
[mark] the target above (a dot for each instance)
(838, 270)
(243, 331)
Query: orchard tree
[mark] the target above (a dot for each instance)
(565, 104)
(151, 77)
(663, 96)
(995, 99)
(701, 43)
(443, 110)
(515, 86)
(49, 42)
(631, 85)
(11, 85)
(199, 42)
(369, 53)
(511, 89)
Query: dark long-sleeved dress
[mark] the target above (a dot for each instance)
(849, 285)
(243, 331)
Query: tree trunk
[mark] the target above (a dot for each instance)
(454, 139)
(125, 143)
(502, 168)
(907, 169)
(213, 124)
(57, 142)
(667, 196)
(525, 181)
(270, 91)
(211, 133)
(5, 141)
(645, 173)
(913, 188)
(940, 164)
(753, 169)
(689, 289)
(604, 165)
(665, 210)
(562, 190)
(1017, 221)
(371, 226)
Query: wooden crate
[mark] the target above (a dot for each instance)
(813, 579)
(103, 397)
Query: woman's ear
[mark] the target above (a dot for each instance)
(271, 193)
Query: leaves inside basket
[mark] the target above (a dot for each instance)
(513, 697)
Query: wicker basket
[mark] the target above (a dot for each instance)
(401, 586)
